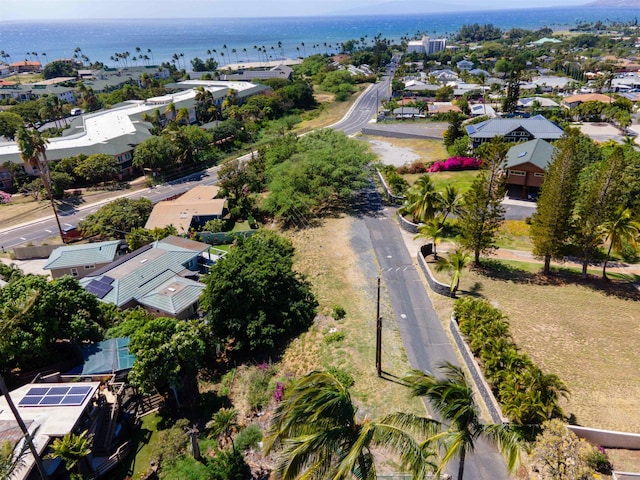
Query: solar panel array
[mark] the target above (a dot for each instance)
(65, 396)
(100, 287)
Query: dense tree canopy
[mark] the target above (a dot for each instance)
(98, 167)
(117, 218)
(9, 124)
(35, 312)
(155, 153)
(318, 171)
(254, 297)
(58, 69)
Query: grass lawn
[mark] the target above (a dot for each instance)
(144, 444)
(585, 332)
(514, 234)
(461, 180)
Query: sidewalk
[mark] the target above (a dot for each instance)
(517, 255)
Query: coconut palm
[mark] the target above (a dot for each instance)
(222, 425)
(73, 450)
(422, 199)
(452, 398)
(317, 429)
(33, 153)
(455, 264)
(618, 230)
(450, 202)
(432, 230)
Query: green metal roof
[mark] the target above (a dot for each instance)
(108, 356)
(173, 296)
(538, 152)
(79, 255)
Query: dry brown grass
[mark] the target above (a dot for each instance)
(427, 150)
(24, 208)
(586, 337)
(328, 113)
(325, 255)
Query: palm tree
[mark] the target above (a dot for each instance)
(432, 230)
(450, 202)
(452, 398)
(222, 425)
(32, 147)
(320, 436)
(11, 460)
(73, 450)
(618, 230)
(455, 265)
(422, 199)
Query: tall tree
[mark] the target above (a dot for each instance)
(320, 436)
(423, 201)
(254, 297)
(551, 223)
(33, 153)
(98, 167)
(482, 212)
(601, 191)
(452, 398)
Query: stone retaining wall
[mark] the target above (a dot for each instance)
(476, 374)
(394, 134)
(407, 225)
(27, 253)
(434, 284)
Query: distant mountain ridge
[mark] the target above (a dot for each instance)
(615, 3)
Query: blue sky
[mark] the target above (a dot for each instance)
(72, 9)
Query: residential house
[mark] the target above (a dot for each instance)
(525, 167)
(82, 260)
(482, 109)
(443, 107)
(575, 100)
(464, 65)
(542, 102)
(514, 130)
(55, 405)
(160, 276)
(25, 66)
(407, 112)
(191, 210)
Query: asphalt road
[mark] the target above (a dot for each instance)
(423, 336)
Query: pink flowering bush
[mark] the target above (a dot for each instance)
(4, 197)
(455, 164)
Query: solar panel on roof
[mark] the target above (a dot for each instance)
(53, 396)
(98, 288)
(107, 279)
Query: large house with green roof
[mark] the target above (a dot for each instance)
(514, 130)
(82, 260)
(525, 167)
(161, 277)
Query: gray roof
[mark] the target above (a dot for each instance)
(134, 276)
(538, 126)
(537, 152)
(173, 296)
(78, 255)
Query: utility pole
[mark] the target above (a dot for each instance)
(23, 427)
(378, 334)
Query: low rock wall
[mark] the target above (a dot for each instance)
(476, 374)
(434, 284)
(407, 225)
(397, 200)
(608, 438)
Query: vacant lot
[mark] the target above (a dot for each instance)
(587, 337)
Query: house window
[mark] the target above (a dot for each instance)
(517, 173)
(74, 271)
(89, 267)
(540, 175)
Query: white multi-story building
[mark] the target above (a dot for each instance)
(427, 45)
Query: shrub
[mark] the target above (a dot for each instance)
(342, 376)
(259, 380)
(4, 197)
(172, 443)
(228, 465)
(454, 164)
(413, 168)
(214, 226)
(248, 438)
(599, 461)
(333, 337)
(338, 312)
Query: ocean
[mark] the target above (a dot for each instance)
(241, 39)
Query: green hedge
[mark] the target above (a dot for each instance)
(528, 396)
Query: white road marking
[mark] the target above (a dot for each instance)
(22, 238)
(47, 230)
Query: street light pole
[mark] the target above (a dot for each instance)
(378, 334)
